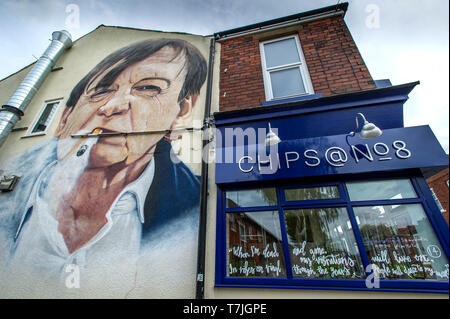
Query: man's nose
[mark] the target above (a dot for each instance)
(115, 106)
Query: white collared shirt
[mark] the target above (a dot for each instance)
(41, 247)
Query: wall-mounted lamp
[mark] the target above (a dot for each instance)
(369, 130)
(272, 138)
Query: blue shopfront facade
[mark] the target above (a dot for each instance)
(326, 209)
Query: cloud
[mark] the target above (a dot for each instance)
(410, 44)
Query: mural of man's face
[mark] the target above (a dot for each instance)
(144, 97)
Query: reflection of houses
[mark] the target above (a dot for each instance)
(393, 236)
(438, 180)
(327, 231)
(246, 231)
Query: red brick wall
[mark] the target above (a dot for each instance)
(438, 183)
(333, 60)
(241, 79)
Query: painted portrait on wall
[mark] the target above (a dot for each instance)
(102, 209)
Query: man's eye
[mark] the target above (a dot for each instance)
(151, 90)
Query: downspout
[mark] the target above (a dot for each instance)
(199, 292)
(11, 112)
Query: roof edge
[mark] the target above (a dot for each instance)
(334, 8)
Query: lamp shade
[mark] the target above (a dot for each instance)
(370, 130)
(272, 138)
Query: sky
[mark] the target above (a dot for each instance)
(401, 40)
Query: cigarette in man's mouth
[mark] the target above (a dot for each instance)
(83, 148)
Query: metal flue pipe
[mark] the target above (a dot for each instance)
(11, 112)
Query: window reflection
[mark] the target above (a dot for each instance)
(375, 190)
(311, 193)
(287, 82)
(45, 118)
(281, 52)
(251, 198)
(400, 241)
(254, 249)
(398, 238)
(322, 244)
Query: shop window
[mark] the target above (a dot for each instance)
(284, 69)
(45, 118)
(400, 241)
(311, 193)
(254, 197)
(328, 235)
(320, 244)
(377, 190)
(263, 258)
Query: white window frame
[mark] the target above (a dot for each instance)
(232, 222)
(50, 119)
(242, 232)
(301, 65)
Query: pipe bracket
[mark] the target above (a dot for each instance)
(12, 109)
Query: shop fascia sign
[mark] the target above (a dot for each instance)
(399, 148)
(335, 156)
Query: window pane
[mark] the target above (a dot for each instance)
(259, 254)
(324, 192)
(281, 52)
(252, 197)
(287, 82)
(400, 241)
(44, 120)
(388, 189)
(322, 244)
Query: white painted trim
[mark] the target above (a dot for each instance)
(301, 65)
(36, 120)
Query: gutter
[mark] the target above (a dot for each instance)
(200, 280)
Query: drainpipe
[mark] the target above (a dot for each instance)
(199, 292)
(11, 112)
